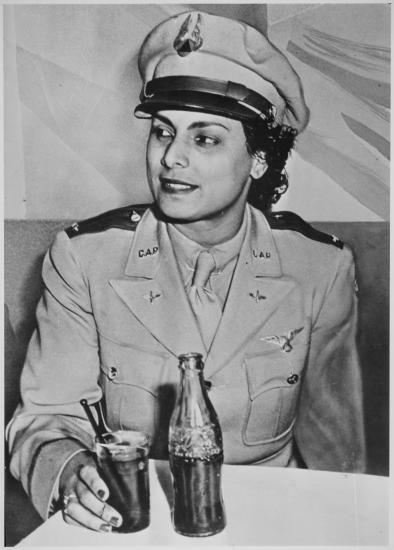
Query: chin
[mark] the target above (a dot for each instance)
(179, 212)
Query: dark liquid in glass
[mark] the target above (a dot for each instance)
(128, 484)
(198, 504)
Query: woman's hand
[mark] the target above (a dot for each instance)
(84, 495)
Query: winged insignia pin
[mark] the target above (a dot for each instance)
(283, 341)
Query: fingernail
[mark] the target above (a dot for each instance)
(115, 521)
(101, 493)
(105, 528)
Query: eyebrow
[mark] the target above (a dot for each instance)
(193, 125)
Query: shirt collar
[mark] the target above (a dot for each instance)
(186, 250)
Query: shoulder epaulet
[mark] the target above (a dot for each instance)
(126, 217)
(289, 220)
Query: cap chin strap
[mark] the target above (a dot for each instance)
(156, 88)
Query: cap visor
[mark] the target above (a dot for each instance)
(195, 101)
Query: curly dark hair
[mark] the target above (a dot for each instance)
(274, 144)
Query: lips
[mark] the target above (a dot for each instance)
(171, 185)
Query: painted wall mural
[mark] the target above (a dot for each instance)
(352, 104)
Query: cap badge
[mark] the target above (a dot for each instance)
(189, 38)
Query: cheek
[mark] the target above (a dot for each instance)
(237, 168)
(227, 174)
(153, 158)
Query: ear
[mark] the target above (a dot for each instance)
(259, 166)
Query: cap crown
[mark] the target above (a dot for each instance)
(198, 44)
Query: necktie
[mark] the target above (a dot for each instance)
(205, 303)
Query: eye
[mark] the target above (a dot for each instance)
(161, 133)
(203, 140)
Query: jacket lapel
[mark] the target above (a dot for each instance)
(153, 291)
(257, 291)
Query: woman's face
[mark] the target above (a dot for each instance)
(198, 166)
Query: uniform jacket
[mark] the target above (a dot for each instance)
(114, 316)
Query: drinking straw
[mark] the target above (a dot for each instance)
(91, 419)
(101, 420)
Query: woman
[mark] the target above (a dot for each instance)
(266, 299)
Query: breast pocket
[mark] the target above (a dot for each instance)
(273, 385)
(133, 379)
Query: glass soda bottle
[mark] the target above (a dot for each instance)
(196, 455)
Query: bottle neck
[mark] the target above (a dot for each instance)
(192, 401)
(192, 380)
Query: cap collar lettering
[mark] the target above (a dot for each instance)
(189, 38)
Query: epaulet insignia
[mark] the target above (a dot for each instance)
(289, 220)
(126, 217)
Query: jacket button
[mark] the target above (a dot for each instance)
(113, 373)
(208, 384)
(135, 217)
(293, 379)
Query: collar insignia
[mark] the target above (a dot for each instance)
(257, 296)
(189, 38)
(150, 297)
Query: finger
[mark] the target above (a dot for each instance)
(102, 510)
(76, 514)
(91, 478)
(71, 521)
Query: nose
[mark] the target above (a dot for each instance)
(175, 154)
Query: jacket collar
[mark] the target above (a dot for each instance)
(151, 241)
(260, 251)
(147, 248)
(153, 290)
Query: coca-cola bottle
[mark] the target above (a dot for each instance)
(196, 455)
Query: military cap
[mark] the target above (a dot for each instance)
(203, 62)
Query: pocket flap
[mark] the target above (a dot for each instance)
(267, 371)
(133, 366)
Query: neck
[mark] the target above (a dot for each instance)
(210, 232)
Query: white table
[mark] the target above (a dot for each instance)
(264, 507)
